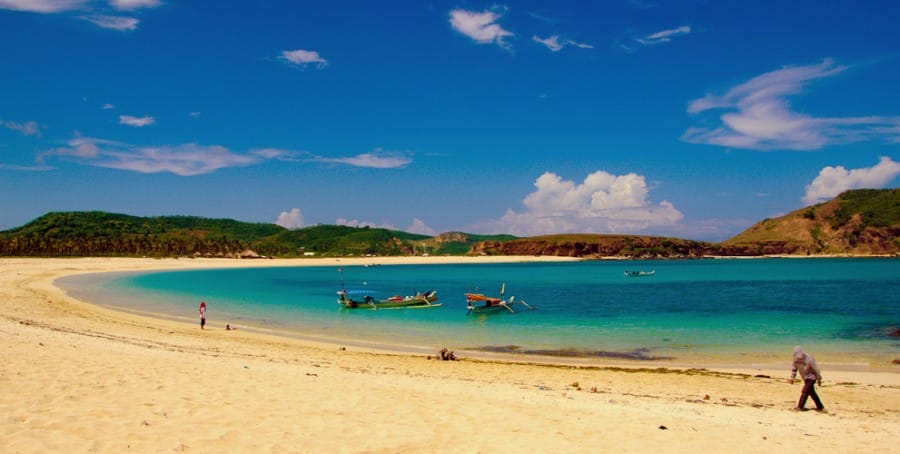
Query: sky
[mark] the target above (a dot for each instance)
(692, 119)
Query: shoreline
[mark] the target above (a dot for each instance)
(760, 358)
(87, 378)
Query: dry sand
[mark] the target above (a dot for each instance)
(81, 378)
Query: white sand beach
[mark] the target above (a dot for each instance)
(77, 377)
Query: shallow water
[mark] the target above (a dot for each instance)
(588, 309)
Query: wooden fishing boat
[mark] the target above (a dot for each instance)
(479, 303)
(422, 299)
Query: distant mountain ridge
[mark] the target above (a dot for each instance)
(857, 222)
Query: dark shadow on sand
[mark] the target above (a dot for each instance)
(640, 354)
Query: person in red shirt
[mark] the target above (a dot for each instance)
(202, 314)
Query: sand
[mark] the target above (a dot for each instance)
(82, 378)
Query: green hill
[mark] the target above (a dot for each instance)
(75, 234)
(859, 222)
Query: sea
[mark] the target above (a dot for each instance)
(687, 310)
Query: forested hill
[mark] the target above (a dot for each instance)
(859, 222)
(77, 234)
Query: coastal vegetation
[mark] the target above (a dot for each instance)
(858, 222)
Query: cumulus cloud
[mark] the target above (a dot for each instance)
(555, 45)
(42, 6)
(759, 117)
(358, 223)
(418, 226)
(28, 128)
(832, 181)
(120, 23)
(185, 160)
(602, 203)
(481, 27)
(303, 58)
(290, 219)
(137, 122)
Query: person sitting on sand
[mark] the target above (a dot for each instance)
(230, 328)
(809, 370)
(447, 355)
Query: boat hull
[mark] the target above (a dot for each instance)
(426, 300)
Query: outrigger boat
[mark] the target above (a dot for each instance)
(479, 303)
(639, 273)
(420, 299)
(425, 299)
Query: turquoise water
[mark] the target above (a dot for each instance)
(690, 307)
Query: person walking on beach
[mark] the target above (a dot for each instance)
(202, 314)
(809, 371)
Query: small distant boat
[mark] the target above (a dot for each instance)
(426, 299)
(630, 273)
(479, 303)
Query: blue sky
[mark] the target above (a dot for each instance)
(692, 119)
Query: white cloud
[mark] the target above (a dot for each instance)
(96, 14)
(303, 58)
(632, 43)
(358, 223)
(120, 23)
(418, 226)
(290, 220)
(554, 45)
(275, 153)
(108, 106)
(378, 159)
(193, 114)
(193, 159)
(35, 168)
(832, 181)
(664, 36)
(29, 128)
(602, 203)
(759, 116)
(137, 122)
(128, 5)
(42, 6)
(481, 27)
(185, 160)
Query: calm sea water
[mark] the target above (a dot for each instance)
(691, 307)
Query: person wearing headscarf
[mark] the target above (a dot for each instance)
(806, 365)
